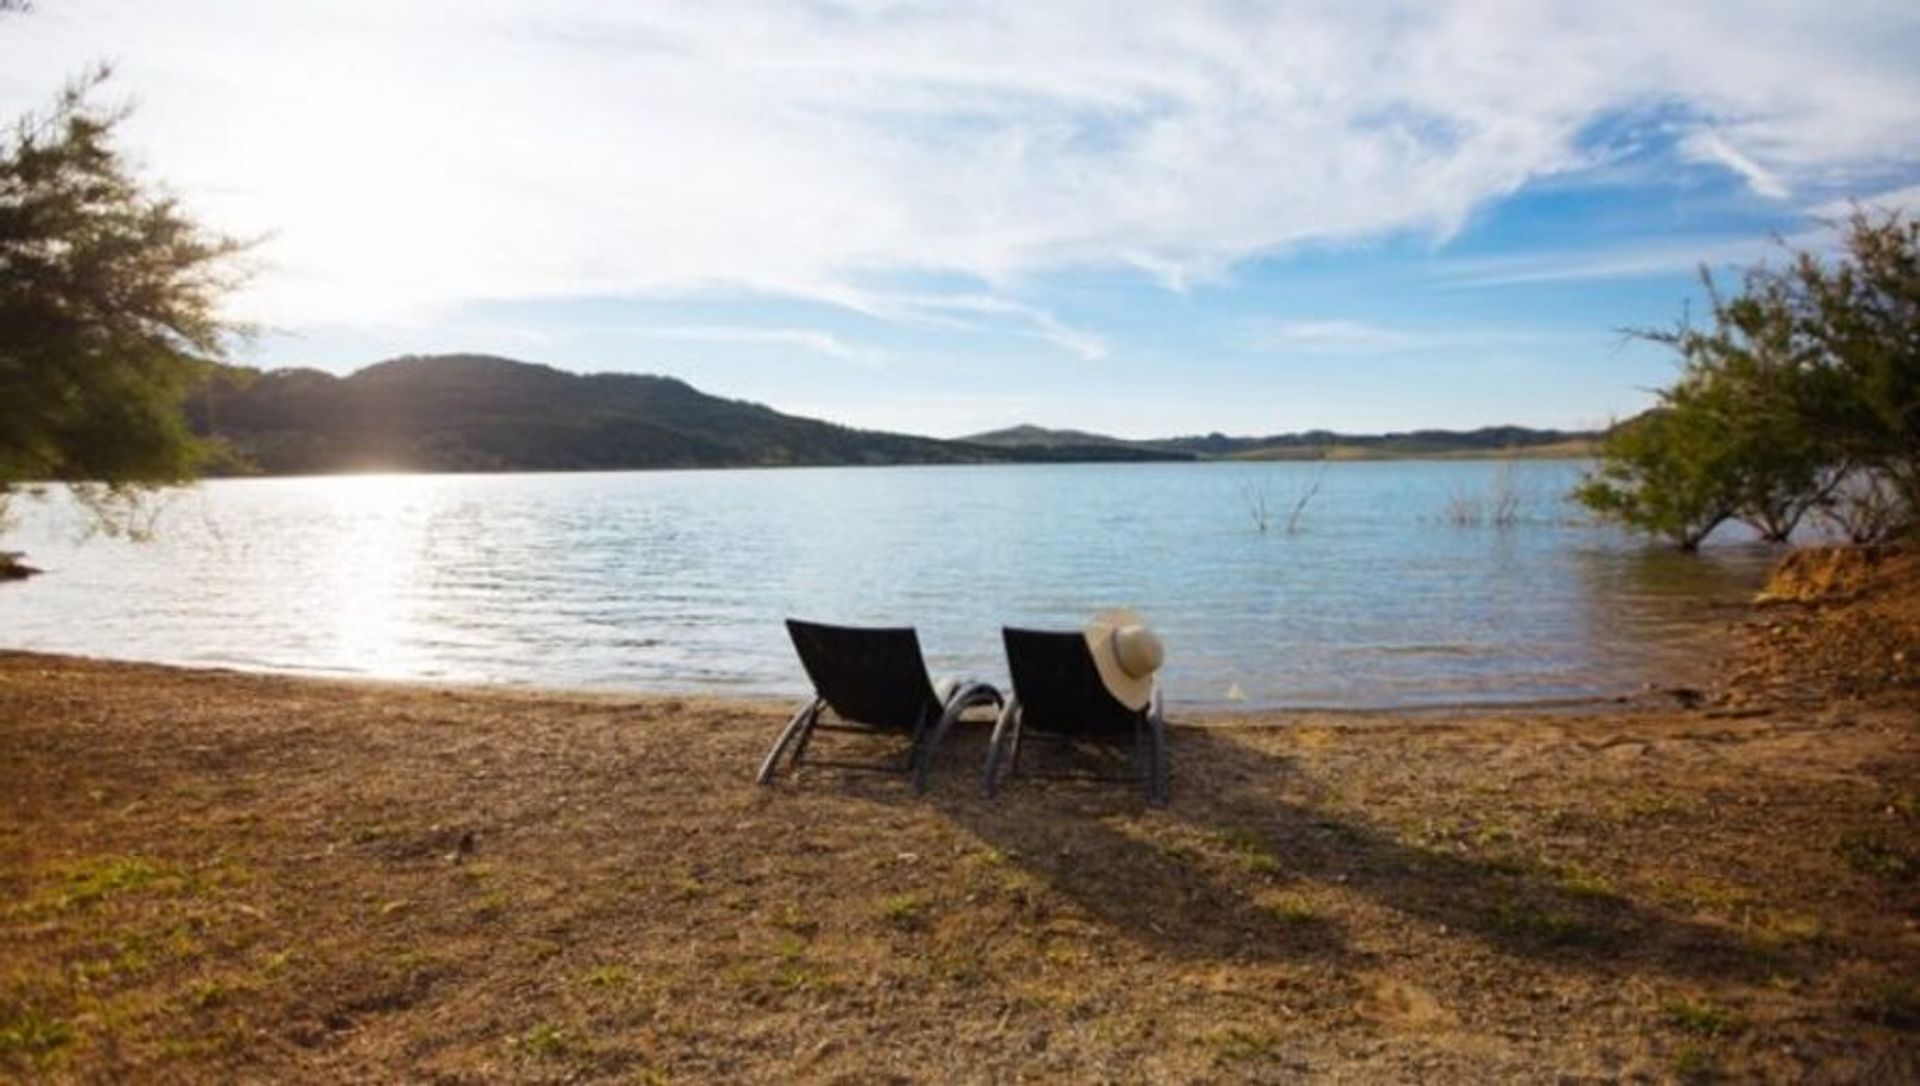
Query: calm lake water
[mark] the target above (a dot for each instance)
(677, 581)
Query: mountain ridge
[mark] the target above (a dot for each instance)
(471, 412)
(479, 412)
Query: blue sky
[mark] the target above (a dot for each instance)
(944, 217)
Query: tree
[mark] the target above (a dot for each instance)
(109, 313)
(1859, 319)
(1665, 472)
(1803, 396)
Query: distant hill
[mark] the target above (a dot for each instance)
(1031, 437)
(1318, 444)
(481, 413)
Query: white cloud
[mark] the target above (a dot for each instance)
(407, 158)
(1350, 337)
(802, 339)
(1337, 334)
(1906, 200)
(1709, 146)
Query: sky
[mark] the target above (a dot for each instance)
(1144, 219)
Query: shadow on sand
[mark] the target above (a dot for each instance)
(1230, 868)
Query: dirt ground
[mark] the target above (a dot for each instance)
(214, 876)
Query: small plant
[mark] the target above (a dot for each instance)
(1306, 497)
(607, 977)
(1296, 911)
(35, 1036)
(1548, 927)
(1250, 848)
(207, 993)
(1692, 1064)
(1869, 855)
(1258, 502)
(790, 918)
(546, 1041)
(1242, 1044)
(1579, 881)
(1702, 1018)
(904, 911)
(991, 857)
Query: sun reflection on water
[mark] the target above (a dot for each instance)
(368, 588)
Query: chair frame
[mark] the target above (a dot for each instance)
(1149, 741)
(929, 729)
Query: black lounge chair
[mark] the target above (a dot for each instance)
(1058, 697)
(875, 682)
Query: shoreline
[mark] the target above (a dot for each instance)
(238, 875)
(1649, 697)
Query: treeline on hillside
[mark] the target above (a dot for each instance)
(1801, 400)
(1413, 443)
(1312, 444)
(480, 413)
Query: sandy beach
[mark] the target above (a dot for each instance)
(211, 875)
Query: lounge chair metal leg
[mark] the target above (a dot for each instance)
(959, 700)
(800, 728)
(1003, 729)
(1157, 791)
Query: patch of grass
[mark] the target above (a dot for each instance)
(795, 977)
(904, 911)
(1693, 1064)
(790, 918)
(35, 1038)
(368, 832)
(1647, 806)
(1295, 911)
(790, 948)
(1869, 855)
(1493, 835)
(1702, 895)
(1581, 882)
(207, 993)
(547, 1042)
(1250, 848)
(1702, 1018)
(492, 906)
(98, 879)
(607, 977)
(1547, 927)
(991, 857)
(1782, 931)
(1241, 1044)
(1564, 819)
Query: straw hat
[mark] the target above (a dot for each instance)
(1126, 654)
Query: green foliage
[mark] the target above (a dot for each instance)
(1700, 1017)
(108, 310)
(1664, 472)
(1803, 397)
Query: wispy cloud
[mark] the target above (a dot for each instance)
(1364, 338)
(1619, 262)
(409, 158)
(810, 340)
(1336, 334)
(1711, 147)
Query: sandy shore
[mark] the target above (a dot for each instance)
(261, 877)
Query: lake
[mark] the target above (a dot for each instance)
(1385, 590)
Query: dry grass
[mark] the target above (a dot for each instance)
(218, 876)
